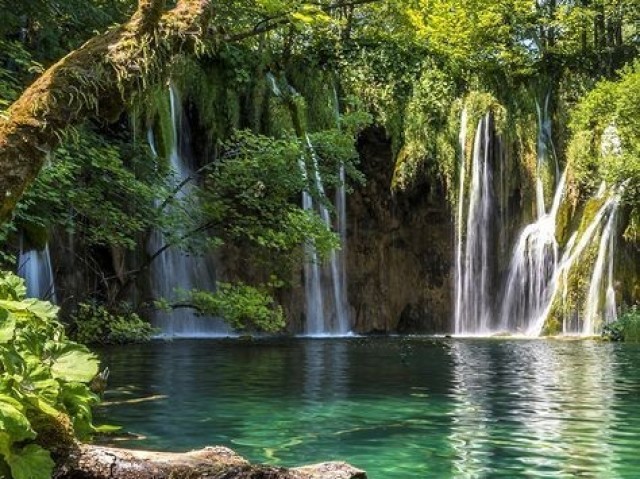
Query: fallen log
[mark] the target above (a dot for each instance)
(97, 462)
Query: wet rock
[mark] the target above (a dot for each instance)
(96, 462)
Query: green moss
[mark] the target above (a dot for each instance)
(278, 119)
(563, 222)
(316, 86)
(553, 325)
(35, 236)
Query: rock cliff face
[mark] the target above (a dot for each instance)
(399, 250)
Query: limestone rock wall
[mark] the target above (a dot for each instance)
(399, 250)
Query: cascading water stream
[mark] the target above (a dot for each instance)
(174, 269)
(538, 276)
(342, 303)
(315, 323)
(533, 264)
(326, 316)
(341, 223)
(605, 254)
(610, 307)
(327, 310)
(462, 139)
(569, 258)
(473, 314)
(34, 266)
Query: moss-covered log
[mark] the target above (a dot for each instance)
(94, 81)
(94, 462)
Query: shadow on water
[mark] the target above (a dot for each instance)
(398, 407)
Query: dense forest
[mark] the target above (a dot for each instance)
(281, 167)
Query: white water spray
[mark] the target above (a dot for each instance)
(568, 260)
(462, 142)
(539, 271)
(533, 264)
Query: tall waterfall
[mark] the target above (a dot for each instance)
(327, 311)
(325, 286)
(459, 222)
(34, 266)
(536, 284)
(175, 269)
(473, 312)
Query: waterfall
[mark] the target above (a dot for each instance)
(175, 269)
(610, 308)
(462, 139)
(473, 313)
(591, 323)
(325, 288)
(537, 279)
(342, 302)
(533, 264)
(327, 307)
(572, 253)
(34, 266)
(312, 284)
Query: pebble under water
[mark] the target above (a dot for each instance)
(397, 407)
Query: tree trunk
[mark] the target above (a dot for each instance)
(95, 81)
(95, 462)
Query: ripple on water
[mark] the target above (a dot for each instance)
(400, 408)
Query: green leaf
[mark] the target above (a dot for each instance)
(31, 462)
(5, 446)
(12, 287)
(74, 364)
(13, 421)
(7, 327)
(40, 309)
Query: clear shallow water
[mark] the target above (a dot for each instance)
(399, 408)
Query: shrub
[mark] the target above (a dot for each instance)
(95, 324)
(626, 328)
(45, 400)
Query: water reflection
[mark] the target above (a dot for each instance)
(533, 408)
(399, 408)
(325, 370)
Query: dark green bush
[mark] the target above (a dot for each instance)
(626, 328)
(95, 324)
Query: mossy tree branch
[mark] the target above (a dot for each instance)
(94, 81)
(100, 78)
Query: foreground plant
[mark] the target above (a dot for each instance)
(45, 400)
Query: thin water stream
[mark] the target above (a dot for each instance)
(400, 408)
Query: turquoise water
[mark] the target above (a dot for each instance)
(398, 408)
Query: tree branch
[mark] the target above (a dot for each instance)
(95, 80)
(276, 21)
(99, 78)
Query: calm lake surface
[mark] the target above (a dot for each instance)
(399, 408)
